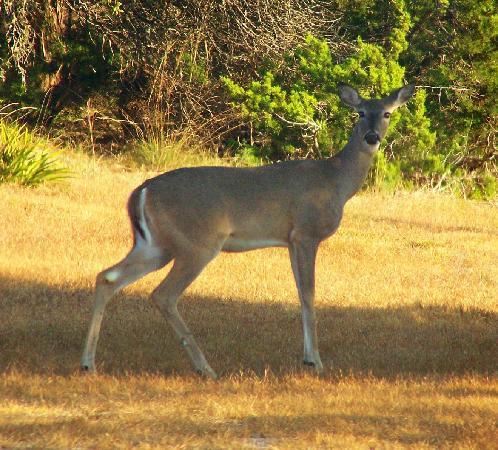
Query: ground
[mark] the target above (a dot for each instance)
(407, 307)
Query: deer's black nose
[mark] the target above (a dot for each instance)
(372, 138)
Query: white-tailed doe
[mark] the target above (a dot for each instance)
(191, 215)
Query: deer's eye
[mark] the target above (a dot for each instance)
(361, 113)
(387, 115)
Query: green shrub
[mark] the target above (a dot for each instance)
(294, 110)
(27, 159)
(385, 174)
(481, 186)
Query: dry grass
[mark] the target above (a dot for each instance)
(407, 299)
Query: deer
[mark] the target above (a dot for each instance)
(190, 215)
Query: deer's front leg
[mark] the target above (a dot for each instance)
(303, 255)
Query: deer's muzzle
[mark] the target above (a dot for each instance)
(372, 138)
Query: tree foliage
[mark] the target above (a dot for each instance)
(160, 62)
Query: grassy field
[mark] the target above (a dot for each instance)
(407, 305)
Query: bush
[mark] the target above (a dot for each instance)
(479, 186)
(25, 158)
(294, 110)
(386, 175)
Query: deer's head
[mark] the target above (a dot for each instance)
(374, 115)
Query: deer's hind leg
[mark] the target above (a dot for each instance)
(186, 268)
(141, 260)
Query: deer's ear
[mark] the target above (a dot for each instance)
(400, 96)
(349, 96)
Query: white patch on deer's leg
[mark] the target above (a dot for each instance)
(142, 259)
(112, 275)
(309, 356)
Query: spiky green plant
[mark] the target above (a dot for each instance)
(27, 159)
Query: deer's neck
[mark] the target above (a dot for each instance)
(351, 165)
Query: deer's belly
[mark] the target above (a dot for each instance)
(236, 244)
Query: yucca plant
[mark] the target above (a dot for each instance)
(25, 158)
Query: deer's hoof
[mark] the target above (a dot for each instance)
(87, 368)
(318, 366)
(207, 372)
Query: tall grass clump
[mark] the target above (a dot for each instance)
(433, 173)
(160, 153)
(25, 158)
